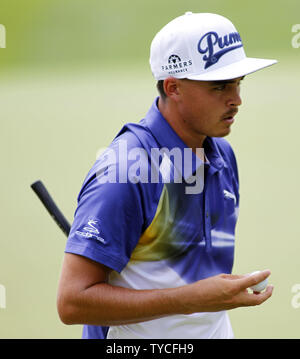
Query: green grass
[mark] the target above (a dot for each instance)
(52, 125)
(69, 32)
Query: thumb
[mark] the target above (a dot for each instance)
(249, 280)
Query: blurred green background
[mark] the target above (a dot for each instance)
(72, 73)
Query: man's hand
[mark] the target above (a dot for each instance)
(224, 292)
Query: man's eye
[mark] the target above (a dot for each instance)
(220, 87)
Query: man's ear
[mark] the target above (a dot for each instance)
(171, 88)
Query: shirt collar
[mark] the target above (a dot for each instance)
(167, 137)
(213, 153)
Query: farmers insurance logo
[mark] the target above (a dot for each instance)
(176, 65)
(226, 43)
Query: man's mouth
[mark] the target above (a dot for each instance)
(229, 116)
(229, 120)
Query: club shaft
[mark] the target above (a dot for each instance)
(45, 197)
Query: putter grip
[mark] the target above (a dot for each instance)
(41, 191)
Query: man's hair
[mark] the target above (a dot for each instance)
(160, 88)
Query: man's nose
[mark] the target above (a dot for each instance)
(234, 99)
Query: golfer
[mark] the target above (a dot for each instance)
(151, 248)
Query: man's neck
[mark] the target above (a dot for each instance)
(172, 117)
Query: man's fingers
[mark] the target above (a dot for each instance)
(232, 276)
(260, 297)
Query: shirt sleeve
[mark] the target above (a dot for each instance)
(107, 223)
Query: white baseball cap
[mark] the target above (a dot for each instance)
(204, 47)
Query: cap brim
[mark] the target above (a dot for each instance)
(234, 70)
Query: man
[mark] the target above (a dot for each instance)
(151, 247)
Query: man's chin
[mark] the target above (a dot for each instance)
(223, 133)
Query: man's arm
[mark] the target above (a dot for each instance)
(85, 297)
